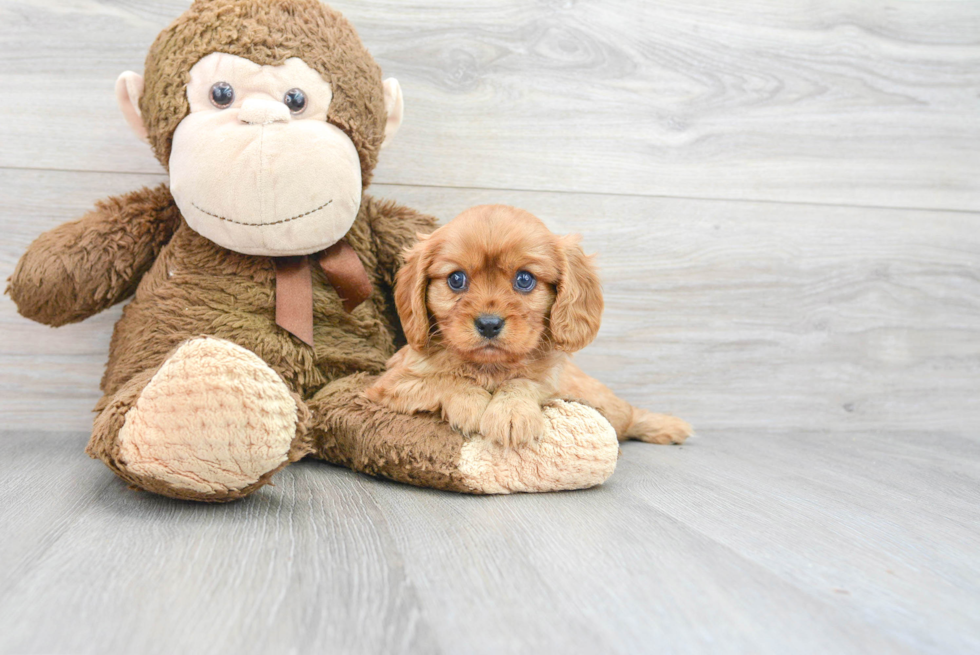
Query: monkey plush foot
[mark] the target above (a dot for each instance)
(211, 424)
(577, 450)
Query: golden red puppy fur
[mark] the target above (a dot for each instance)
(492, 303)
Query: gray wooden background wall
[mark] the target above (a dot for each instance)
(783, 195)
(785, 199)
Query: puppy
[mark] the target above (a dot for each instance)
(491, 304)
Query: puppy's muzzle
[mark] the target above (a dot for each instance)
(488, 325)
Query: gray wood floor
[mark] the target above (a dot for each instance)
(785, 199)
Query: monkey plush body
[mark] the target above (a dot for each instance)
(238, 353)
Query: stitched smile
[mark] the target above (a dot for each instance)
(285, 220)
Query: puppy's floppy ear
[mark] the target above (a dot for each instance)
(577, 311)
(411, 285)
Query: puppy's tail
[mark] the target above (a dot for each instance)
(656, 428)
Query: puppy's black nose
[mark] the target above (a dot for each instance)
(488, 325)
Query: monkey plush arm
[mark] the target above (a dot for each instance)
(81, 268)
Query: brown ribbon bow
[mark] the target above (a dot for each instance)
(294, 286)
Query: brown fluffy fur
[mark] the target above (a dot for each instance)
(186, 286)
(496, 386)
(88, 265)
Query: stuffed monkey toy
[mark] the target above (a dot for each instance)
(262, 275)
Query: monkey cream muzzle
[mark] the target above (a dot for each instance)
(276, 189)
(254, 176)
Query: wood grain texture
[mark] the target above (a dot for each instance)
(859, 544)
(845, 102)
(730, 314)
(827, 353)
(265, 576)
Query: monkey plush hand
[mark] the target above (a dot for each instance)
(263, 275)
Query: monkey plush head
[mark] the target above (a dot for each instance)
(269, 115)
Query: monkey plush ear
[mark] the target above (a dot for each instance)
(129, 88)
(395, 106)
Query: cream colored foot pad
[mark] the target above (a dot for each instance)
(578, 450)
(214, 418)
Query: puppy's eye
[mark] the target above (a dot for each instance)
(524, 281)
(457, 281)
(295, 99)
(222, 94)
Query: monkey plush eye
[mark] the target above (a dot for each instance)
(295, 99)
(524, 281)
(457, 281)
(222, 94)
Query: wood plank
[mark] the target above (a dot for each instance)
(867, 103)
(47, 483)
(726, 313)
(789, 542)
(108, 570)
(883, 525)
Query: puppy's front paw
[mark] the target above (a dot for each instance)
(512, 424)
(464, 411)
(377, 393)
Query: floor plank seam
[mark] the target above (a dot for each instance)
(610, 194)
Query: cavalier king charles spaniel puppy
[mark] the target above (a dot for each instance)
(491, 304)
